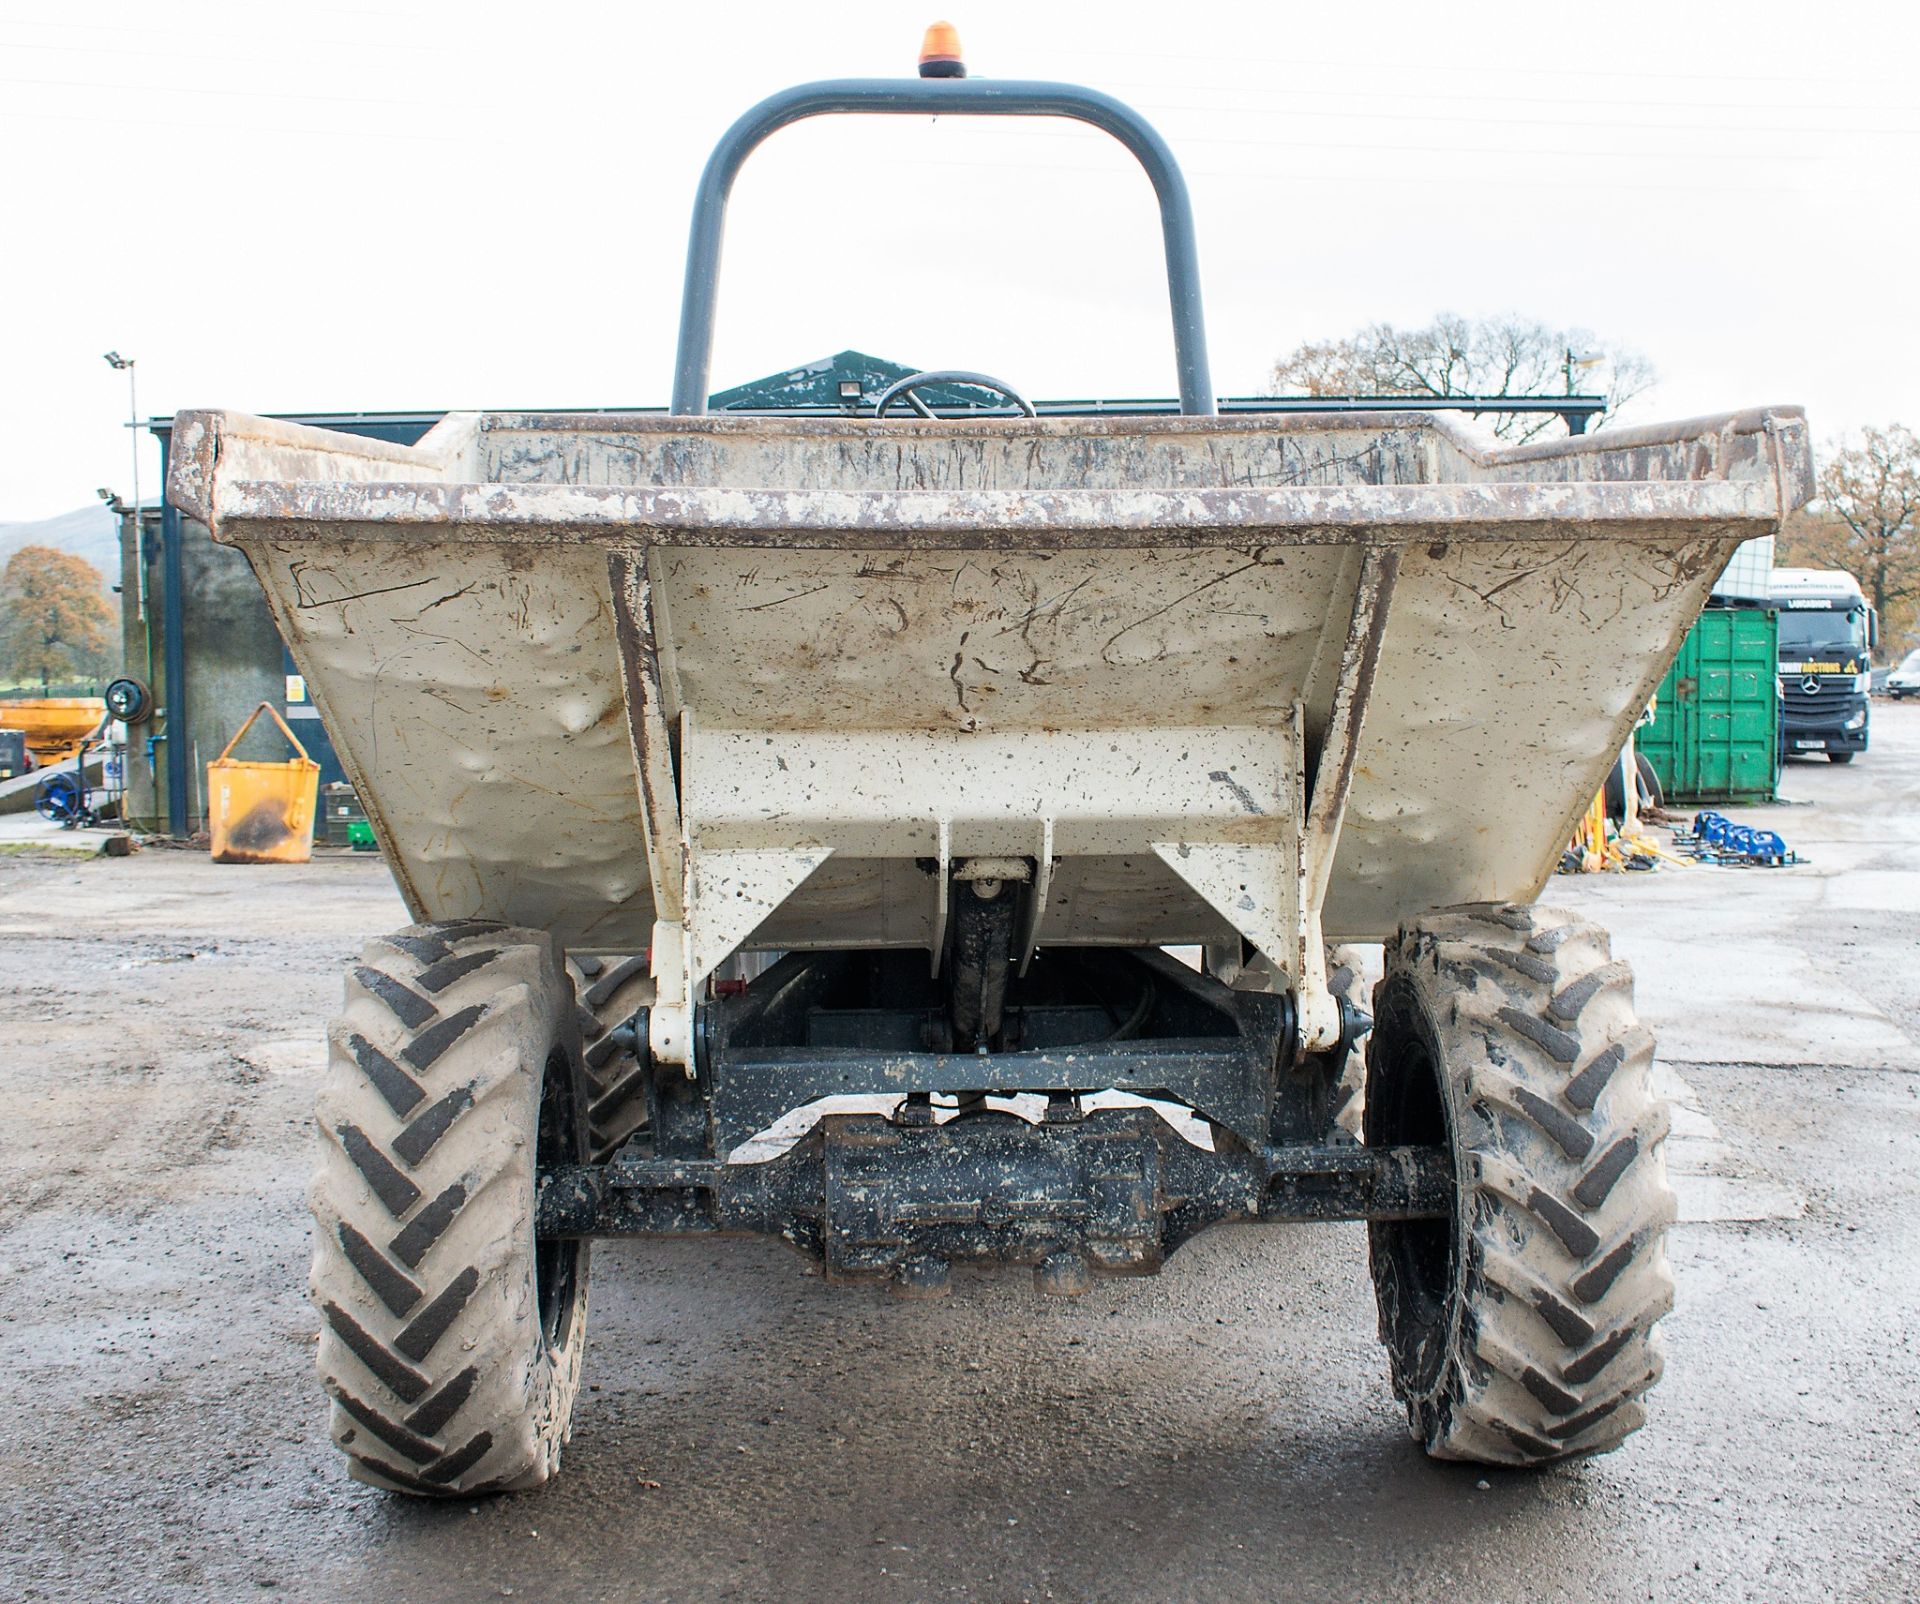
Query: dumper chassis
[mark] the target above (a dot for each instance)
(899, 752)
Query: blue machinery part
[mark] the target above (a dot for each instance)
(1723, 836)
(62, 799)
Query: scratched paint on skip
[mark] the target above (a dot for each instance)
(858, 593)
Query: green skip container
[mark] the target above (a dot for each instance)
(1715, 735)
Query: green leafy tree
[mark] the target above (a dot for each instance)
(1455, 355)
(55, 623)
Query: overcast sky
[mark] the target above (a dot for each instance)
(289, 207)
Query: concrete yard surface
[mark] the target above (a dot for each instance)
(1221, 1432)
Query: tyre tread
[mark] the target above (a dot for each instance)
(1561, 1274)
(431, 1350)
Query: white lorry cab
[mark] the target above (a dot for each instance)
(1827, 635)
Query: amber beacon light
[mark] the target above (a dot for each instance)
(940, 53)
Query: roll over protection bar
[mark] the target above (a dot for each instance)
(926, 97)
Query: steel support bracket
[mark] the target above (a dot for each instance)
(1321, 1024)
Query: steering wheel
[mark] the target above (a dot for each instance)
(905, 388)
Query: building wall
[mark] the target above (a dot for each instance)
(136, 639)
(234, 661)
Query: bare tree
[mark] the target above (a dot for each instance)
(1867, 521)
(1457, 355)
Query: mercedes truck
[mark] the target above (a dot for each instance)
(1827, 634)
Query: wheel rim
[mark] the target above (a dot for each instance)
(557, 1260)
(1417, 1261)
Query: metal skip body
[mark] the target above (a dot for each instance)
(778, 666)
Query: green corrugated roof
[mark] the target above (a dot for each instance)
(818, 384)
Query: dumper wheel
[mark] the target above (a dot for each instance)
(450, 1340)
(1521, 1329)
(1350, 1074)
(610, 992)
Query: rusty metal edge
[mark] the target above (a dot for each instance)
(193, 458)
(645, 698)
(197, 433)
(1748, 420)
(1352, 694)
(1477, 445)
(1300, 515)
(200, 436)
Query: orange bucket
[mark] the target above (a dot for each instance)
(262, 812)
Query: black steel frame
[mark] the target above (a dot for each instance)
(1074, 1193)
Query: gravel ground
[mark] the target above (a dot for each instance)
(1221, 1432)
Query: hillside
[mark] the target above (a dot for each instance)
(90, 532)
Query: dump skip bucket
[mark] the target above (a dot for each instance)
(263, 812)
(54, 725)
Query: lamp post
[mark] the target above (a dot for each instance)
(1573, 362)
(124, 364)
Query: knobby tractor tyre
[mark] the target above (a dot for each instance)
(450, 1340)
(1350, 1074)
(1521, 1330)
(610, 990)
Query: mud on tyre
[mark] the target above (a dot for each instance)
(609, 991)
(1349, 1060)
(1521, 1330)
(450, 1340)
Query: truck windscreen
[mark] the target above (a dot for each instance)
(1821, 634)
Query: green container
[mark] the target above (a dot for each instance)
(1715, 736)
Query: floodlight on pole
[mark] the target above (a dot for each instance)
(124, 364)
(1573, 362)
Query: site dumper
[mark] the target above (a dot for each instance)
(729, 764)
